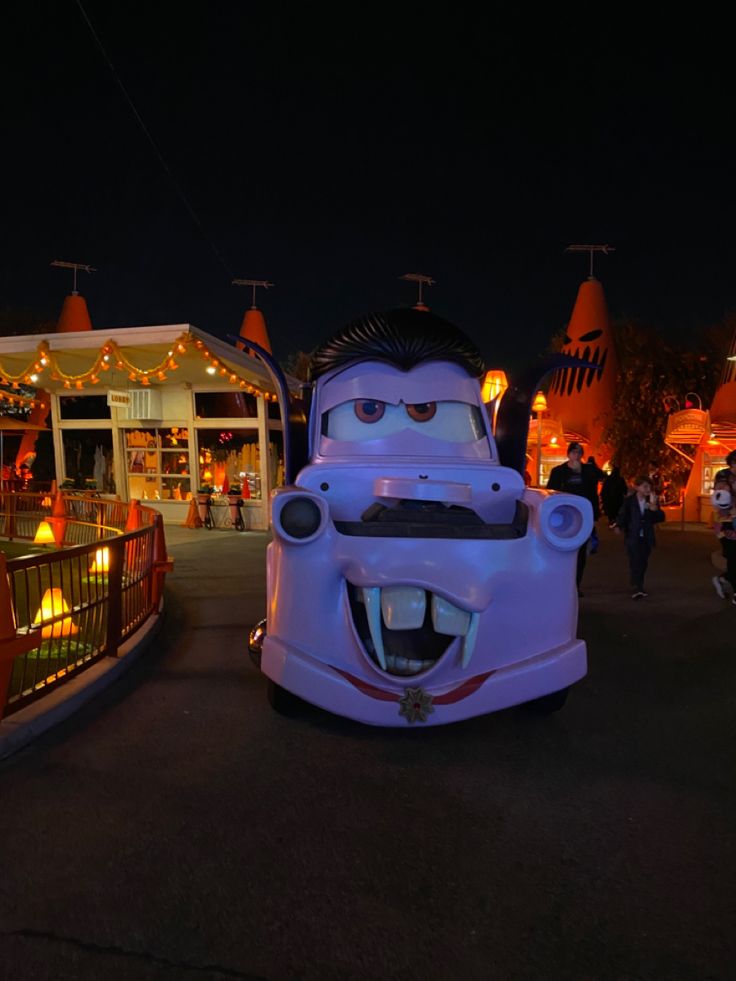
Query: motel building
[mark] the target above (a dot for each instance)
(164, 415)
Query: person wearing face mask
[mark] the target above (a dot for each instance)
(576, 477)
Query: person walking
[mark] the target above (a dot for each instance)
(581, 479)
(613, 492)
(639, 513)
(724, 525)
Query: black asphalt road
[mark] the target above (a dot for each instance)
(177, 828)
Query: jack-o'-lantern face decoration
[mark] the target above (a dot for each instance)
(591, 346)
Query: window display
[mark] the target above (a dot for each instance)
(157, 463)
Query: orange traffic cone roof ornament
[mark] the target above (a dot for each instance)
(253, 327)
(583, 398)
(74, 314)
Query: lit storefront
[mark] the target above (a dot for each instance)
(155, 413)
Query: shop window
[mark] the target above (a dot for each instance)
(157, 464)
(83, 407)
(88, 459)
(231, 458)
(225, 405)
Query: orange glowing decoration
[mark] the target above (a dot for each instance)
(540, 403)
(101, 561)
(495, 384)
(54, 605)
(46, 502)
(44, 535)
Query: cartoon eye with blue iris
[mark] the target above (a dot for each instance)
(422, 411)
(369, 410)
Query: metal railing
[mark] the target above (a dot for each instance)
(62, 610)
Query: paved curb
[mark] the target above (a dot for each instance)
(22, 727)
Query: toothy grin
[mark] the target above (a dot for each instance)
(565, 380)
(405, 629)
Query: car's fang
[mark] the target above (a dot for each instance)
(403, 632)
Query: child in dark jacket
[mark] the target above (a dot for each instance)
(638, 515)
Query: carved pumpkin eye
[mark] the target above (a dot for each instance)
(592, 335)
(369, 410)
(568, 339)
(422, 411)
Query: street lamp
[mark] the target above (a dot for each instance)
(539, 405)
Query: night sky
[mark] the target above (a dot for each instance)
(332, 153)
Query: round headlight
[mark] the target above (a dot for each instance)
(565, 521)
(300, 517)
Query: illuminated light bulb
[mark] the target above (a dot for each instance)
(169, 353)
(144, 380)
(101, 561)
(105, 367)
(233, 379)
(44, 534)
(211, 370)
(94, 379)
(180, 348)
(105, 357)
(44, 360)
(37, 366)
(46, 502)
(132, 376)
(78, 384)
(242, 383)
(223, 371)
(161, 376)
(173, 365)
(119, 364)
(67, 384)
(53, 605)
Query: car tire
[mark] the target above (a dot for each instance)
(282, 701)
(548, 703)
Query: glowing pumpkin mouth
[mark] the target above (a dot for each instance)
(567, 380)
(406, 630)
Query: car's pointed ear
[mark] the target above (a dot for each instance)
(512, 421)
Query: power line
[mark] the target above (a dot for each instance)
(179, 190)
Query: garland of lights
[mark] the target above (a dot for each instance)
(110, 356)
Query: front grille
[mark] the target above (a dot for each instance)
(431, 519)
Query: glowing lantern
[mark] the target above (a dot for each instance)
(44, 535)
(46, 502)
(101, 561)
(53, 605)
(495, 384)
(540, 403)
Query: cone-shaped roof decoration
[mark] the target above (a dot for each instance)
(74, 315)
(253, 328)
(582, 398)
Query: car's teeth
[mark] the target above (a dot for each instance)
(470, 638)
(372, 600)
(403, 607)
(448, 618)
(404, 665)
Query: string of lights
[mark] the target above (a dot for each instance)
(112, 356)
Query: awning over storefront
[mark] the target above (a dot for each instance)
(178, 354)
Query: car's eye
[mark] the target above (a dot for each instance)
(369, 410)
(422, 411)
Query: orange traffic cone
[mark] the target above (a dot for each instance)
(162, 562)
(134, 521)
(58, 519)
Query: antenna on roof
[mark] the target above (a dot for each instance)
(605, 249)
(421, 280)
(74, 266)
(253, 283)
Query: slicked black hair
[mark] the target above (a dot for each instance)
(404, 338)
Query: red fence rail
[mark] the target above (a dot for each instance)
(63, 610)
